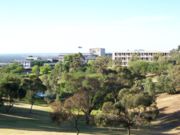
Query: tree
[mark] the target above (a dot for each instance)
(80, 82)
(36, 70)
(163, 64)
(135, 57)
(101, 63)
(139, 67)
(70, 65)
(14, 68)
(69, 109)
(73, 105)
(38, 62)
(133, 108)
(175, 56)
(115, 80)
(45, 69)
(93, 95)
(10, 89)
(74, 62)
(53, 80)
(33, 85)
(174, 75)
(165, 84)
(150, 87)
(153, 67)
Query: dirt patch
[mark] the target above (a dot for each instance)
(168, 121)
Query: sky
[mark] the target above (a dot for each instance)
(56, 26)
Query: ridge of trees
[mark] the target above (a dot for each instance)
(125, 96)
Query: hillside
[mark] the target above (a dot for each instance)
(168, 121)
(19, 122)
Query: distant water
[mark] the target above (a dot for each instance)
(4, 58)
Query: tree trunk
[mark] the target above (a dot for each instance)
(87, 115)
(115, 97)
(30, 111)
(129, 130)
(10, 106)
(76, 126)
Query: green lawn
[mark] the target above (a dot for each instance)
(20, 122)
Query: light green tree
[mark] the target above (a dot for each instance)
(45, 69)
(36, 70)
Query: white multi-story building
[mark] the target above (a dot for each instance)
(33, 58)
(125, 56)
(97, 51)
(26, 64)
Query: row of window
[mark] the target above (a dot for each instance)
(128, 58)
(139, 54)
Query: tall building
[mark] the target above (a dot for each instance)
(125, 56)
(97, 51)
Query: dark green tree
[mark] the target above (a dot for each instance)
(115, 80)
(80, 82)
(101, 63)
(74, 62)
(10, 89)
(165, 85)
(33, 85)
(14, 68)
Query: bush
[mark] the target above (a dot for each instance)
(108, 107)
(59, 114)
(58, 117)
(106, 120)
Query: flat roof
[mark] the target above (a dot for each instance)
(142, 52)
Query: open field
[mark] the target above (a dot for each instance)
(20, 122)
(168, 121)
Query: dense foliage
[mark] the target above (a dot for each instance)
(124, 96)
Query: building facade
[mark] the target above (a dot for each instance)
(125, 57)
(97, 51)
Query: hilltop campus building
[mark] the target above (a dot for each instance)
(123, 56)
(93, 53)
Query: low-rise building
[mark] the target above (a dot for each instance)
(125, 56)
(97, 51)
(33, 58)
(26, 64)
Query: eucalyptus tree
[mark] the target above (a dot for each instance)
(33, 85)
(45, 69)
(134, 107)
(13, 68)
(36, 70)
(10, 89)
(115, 80)
(88, 85)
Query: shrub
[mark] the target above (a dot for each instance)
(59, 114)
(58, 117)
(106, 120)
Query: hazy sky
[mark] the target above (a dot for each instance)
(63, 25)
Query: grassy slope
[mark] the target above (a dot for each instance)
(20, 122)
(168, 121)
